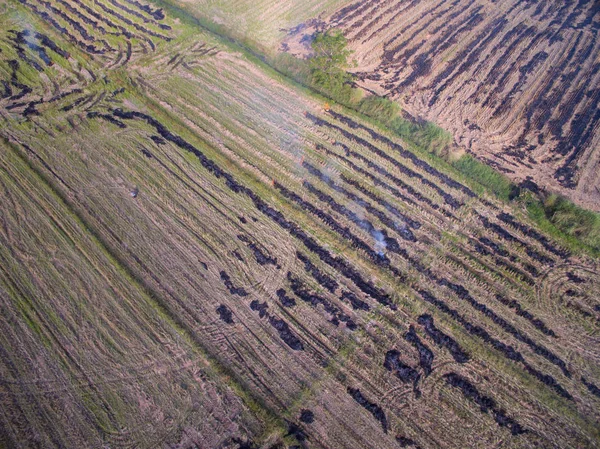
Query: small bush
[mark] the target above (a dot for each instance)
(379, 108)
(485, 175)
(433, 138)
(573, 220)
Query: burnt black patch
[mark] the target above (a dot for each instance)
(239, 291)
(402, 371)
(485, 403)
(591, 387)
(443, 340)
(307, 416)
(259, 307)
(158, 140)
(406, 442)
(425, 354)
(323, 279)
(372, 407)
(355, 301)
(262, 258)
(286, 334)
(225, 314)
(286, 301)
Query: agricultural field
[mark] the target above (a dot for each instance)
(261, 24)
(517, 83)
(196, 253)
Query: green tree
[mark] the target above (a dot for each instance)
(330, 60)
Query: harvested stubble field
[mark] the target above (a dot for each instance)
(195, 254)
(516, 82)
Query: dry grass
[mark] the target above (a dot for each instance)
(116, 240)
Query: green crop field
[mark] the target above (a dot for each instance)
(195, 252)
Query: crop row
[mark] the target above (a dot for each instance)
(443, 340)
(539, 324)
(339, 264)
(485, 403)
(129, 22)
(482, 250)
(416, 161)
(504, 234)
(309, 297)
(86, 18)
(449, 199)
(139, 15)
(403, 231)
(381, 237)
(323, 279)
(100, 18)
(259, 254)
(464, 294)
(376, 257)
(507, 350)
(89, 48)
(375, 180)
(282, 328)
(466, 58)
(157, 14)
(382, 171)
(459, 290)
(410, 222)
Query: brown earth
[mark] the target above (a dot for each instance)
(516, 82)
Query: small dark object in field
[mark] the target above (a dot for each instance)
(286, 301)
(225, 314)
(591, 387)
(375, 410)
(260, 308)
(404, 372)
(405, 442)
(158, 140)
(296, 431)
(232, 288)
(307, 416)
